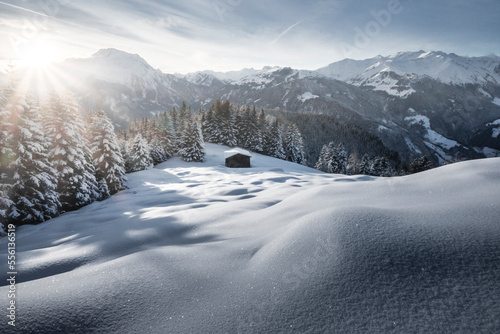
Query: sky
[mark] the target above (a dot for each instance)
(224, 35)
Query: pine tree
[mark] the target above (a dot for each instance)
(421, 164)
(262, 129)
(34, 193)
(208, 125)
(339, 160)
(380, 167)
(192, 144)
(294, 145)
(8, 116)
(223, 130)
(162, 139)
(251, 137)
(273, 141)
(157, 151)
(107, 157)
(27, 181)
(140, 157)
(365, 165)
(324, 159)
(70, 153)
(333, 159)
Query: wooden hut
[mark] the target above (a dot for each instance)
(237, 158)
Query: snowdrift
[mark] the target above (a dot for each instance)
(276, 248)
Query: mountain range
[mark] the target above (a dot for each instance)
(444, 106)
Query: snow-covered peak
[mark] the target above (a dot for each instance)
(115, 66)
(199, 78)
(447, 68)
(123, 58)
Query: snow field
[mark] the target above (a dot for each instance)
(199, 248)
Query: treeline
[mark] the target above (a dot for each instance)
(366, 153)
(182, 132)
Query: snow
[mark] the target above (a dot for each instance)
(495, 132)
(448, 68)
(441, 140)
(419, 119)
(234, 151)
(496, 101)
(200, 248)
(307, 96)
(437, 141)
(382, 128)
(488, 151)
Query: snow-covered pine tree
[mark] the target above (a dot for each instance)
(239, 121)
(380, 167)
(227, 128)
(325, 159)
(108, 160)
(33, 193)
(294, 145)
(223, 131)
(161, 142)
(262, 128)
(421, 164)
(176, 128)
(70, 153)
(125, 150)
(273, 141)
(208, 125)
(140, 157)
(192, 144)
(365, 165)
(157, 151)
(339, 160)
(7, 121)
(251, 135)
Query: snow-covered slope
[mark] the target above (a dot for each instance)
(199, 248)
(447, 68)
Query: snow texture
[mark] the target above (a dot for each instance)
(280, 248)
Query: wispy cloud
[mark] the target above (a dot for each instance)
(284, 32)
(181, 36)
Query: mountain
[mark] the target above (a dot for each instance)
(440, 105)
(395, 74)
(279, 247)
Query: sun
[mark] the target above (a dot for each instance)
(37, 54)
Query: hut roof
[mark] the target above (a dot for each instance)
(235, 151)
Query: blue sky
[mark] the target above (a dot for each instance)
(227, 35)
